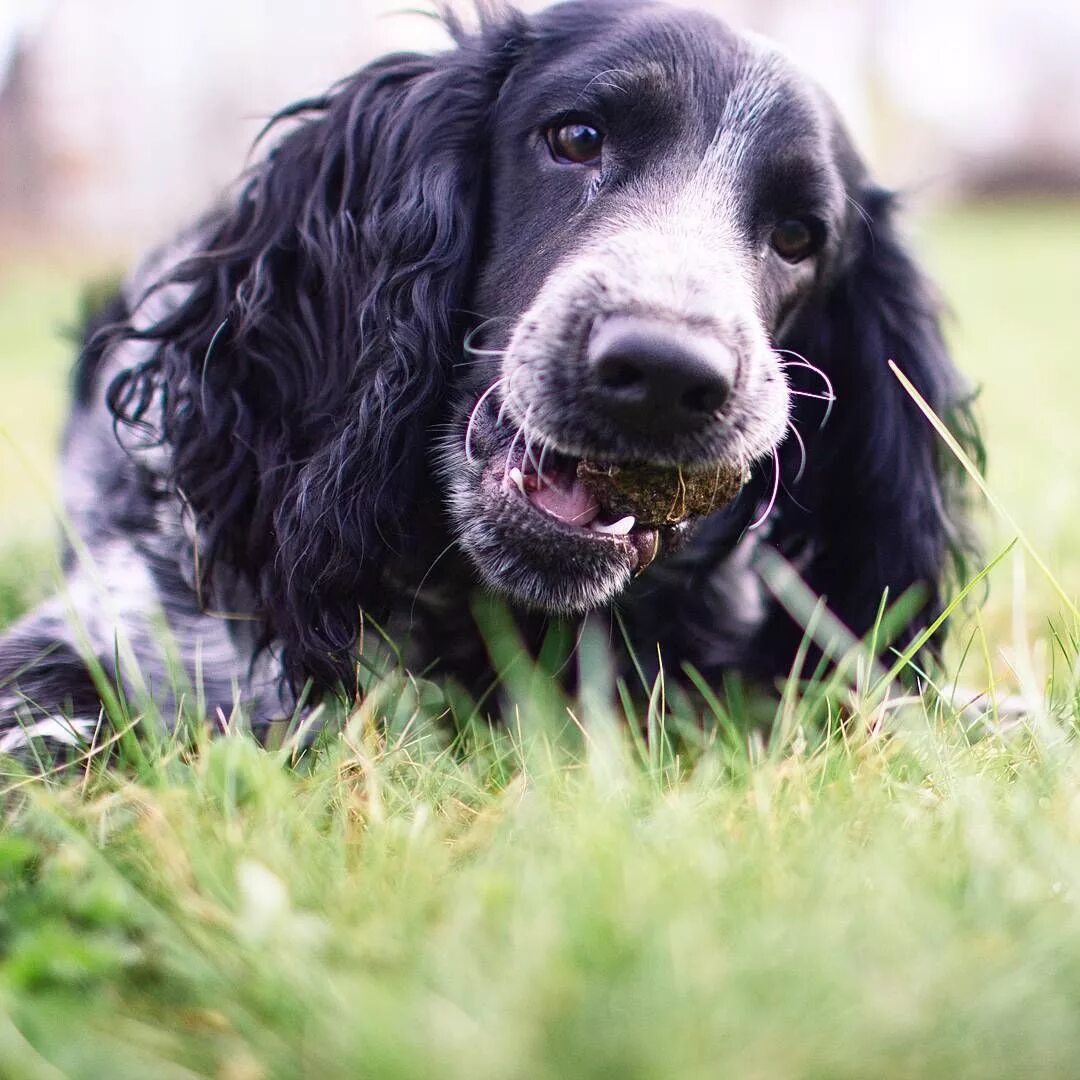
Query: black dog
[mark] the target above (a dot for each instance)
(386, 373)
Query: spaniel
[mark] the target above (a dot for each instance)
(587, 312)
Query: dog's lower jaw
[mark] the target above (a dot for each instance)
(537, 563)
(534, 545)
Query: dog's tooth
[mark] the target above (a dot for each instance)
(617, 528)
(518, 479)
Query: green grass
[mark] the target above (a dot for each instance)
(891, 895)
(851, 903)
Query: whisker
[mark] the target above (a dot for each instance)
(470, 349)
(829, 398)
(528, 439)
(867, 220)
(473, 351)
(602, 78)
(772, 498)
(484, 319)
(510, 451)
(467, 345)
(508, 396)
(801, 361)
(472, 416)
(501, 416)
(473, 363)
(531, 456)
(427, 573)
(545, 446)
(802, 451)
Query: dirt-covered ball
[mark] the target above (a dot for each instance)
(661, 495)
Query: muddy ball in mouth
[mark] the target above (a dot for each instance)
(661, 495)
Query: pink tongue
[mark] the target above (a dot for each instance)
(574, 504)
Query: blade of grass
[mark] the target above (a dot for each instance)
(905, 657)
(969, 467)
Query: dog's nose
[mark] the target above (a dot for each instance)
(655, 376)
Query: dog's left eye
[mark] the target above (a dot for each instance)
(795, 239)
(576, 143)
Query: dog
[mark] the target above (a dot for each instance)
(588, 311)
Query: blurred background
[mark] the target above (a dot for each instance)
(120, 119)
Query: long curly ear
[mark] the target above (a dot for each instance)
(882, 504)
(301, 368)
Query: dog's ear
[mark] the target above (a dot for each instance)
(301, 367)
(882, 502)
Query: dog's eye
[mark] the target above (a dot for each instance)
(794, 239)
(576, 143)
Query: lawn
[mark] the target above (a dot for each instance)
(895, 896)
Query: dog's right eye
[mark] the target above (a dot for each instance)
(575, 143)
(794, 239)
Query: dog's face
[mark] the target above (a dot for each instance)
(663, 196)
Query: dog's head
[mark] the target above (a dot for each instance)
(662, 197)
(592, 269)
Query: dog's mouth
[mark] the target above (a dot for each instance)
(634, 509)
(556, 491)
(562, 520)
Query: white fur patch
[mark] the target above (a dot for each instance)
(57, 729)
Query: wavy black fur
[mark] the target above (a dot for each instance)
(322, 323)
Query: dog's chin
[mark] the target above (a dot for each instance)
(536, 535)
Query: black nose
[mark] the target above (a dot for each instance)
(655, 376)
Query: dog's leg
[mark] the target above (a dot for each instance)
(49, 705)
